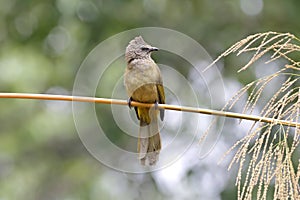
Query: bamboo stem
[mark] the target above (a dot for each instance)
(160, 106)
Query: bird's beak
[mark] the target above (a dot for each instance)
(153, 49)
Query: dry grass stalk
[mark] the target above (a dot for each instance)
(264, 155)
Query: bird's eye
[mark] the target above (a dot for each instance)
(144, 48)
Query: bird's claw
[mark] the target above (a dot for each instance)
(129, 102)
(156, 105)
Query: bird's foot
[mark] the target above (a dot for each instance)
(129, 102)
(156, 105)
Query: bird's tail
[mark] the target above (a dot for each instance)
(149, 144)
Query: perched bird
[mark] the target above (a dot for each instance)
(144, 84)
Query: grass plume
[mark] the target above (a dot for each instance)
(265, 155)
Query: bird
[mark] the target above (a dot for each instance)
(143, 83)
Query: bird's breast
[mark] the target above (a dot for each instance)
(140, 79)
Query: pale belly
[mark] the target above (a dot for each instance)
(140, 82)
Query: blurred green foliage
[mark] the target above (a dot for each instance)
(42, 44)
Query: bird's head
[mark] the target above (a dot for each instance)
(138, 49)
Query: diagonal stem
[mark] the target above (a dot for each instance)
(160, 106)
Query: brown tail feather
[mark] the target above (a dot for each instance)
(149, 144)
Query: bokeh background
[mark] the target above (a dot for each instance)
(42, 45)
